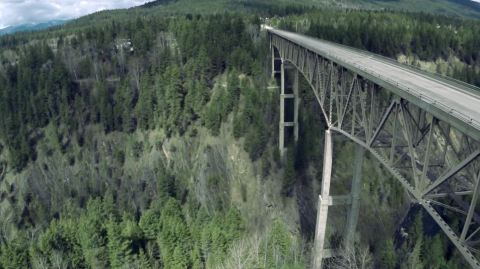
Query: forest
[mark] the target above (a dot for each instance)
(425, 37)
(149, 141)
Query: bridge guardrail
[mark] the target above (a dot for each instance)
(436, 75)
(470, 88)
(421, 96)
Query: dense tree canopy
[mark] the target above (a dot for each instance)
(182, 76)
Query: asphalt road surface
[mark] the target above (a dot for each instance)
(451, 97)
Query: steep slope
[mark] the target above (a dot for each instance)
(460, 8)
(125, 124)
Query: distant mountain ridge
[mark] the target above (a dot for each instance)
(31, 27)
(460, 8)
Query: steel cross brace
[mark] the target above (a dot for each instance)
(324, 76)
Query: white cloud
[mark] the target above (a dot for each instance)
(14, 12)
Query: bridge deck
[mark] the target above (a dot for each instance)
(458, 100)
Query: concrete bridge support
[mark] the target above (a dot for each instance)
(289, 90)
(325, 200)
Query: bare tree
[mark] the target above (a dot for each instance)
(70, 57)
(136, 69)
(58, 261)
(40, 262)
(352, 258)
(243, 253)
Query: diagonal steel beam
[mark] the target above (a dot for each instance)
(472, 234)
(372, 109)
(394, 136)
(347, 102)
(363, 107)
(426, 161)
(452, 172)
(449, 207)
(471, 210)
(382, 122)
(445, 194)
(462, 248)
(409, 138)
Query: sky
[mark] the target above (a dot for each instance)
(15, 12)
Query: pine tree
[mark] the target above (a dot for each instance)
(174, 238)
(150, 223)
(416, 231)
(173, 98)
(144, 107)
(15, 254)
(388, 257)
(415, 257)
(233, 87)
(104, 106)
(119, 250)
(179, 259)
(434, 253)
(90, 230)
(142, 261)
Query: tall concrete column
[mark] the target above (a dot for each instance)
(323, 203)
(296, 95)
(355, 197)
(289, 91)
(281, 137)
(273, 62)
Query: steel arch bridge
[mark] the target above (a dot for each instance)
(424, 129)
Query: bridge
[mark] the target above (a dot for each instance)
(423, 128)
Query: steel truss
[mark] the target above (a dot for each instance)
(437, 165)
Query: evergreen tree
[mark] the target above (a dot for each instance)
(388, 257)
(415, 257)
(15, 254)
(104, 106)
(144, 107)
(90, 232)
(173, 99)
(119, 250)
(434, 253)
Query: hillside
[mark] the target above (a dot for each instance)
(465, 8)
(147, 138)
(267, 8)
(458, 8)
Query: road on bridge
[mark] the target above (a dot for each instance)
(454, 98)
